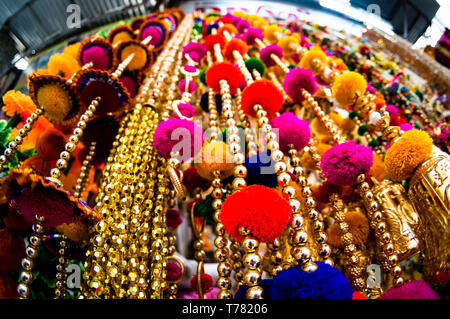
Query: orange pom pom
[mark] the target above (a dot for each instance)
(264, 93)
(377, 170)
(16, 101)
(407, 154)
(73, 50)
(231, 29)
(223, 71)
(307, 160)
(346, 86)
(63, 65)
(358, 226)
(212, 39)
(234, 45)
(214, 156)
(50, 144)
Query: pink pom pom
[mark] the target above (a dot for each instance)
(265, 54)
(342, 163)
(242, 26)
(181, 136)
(98, 56)
(155, 33)
(416, 289)
(298, 79)
(291, 130)
(392, 110)
(406, 127)
(186, 110)
(370, 89)
(182, 86)
(195, 50)
(251, 34)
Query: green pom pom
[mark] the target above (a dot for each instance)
(363, 129)
(417, 125)
(202, 76)
(198, 28)
(214, 14)
(352, 115)
(255, 64)
(374, 143)
(205, 209)
(292, 66)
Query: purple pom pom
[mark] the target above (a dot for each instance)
(173, 218)
(181, 136)
(265, 53)
(182, 86)
(195, 50)
(186, 110)
(252, 34)
(392, 110)
(416, 289)
(342, 163)
(298, 79)
(291, 130)
(242, 25)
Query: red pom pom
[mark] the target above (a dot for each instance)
(223, 71)
(206, 281)
(50, 144)
(192, 180)
(264, 93)
(358, 295)
(212, 39)
(234, 44)
(265, 217)
(224, 20)
(12, 250)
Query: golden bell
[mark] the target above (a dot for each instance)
(429, 191)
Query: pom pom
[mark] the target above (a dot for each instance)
(407, 153)
(358, 226)
(298, 79)
(173, 219)
(264, 93)
(205, 209)
(416, 289)
(291, 131)
(252, 34)
(204, 102)
(392, 110)
(173, 272)
(195, 50)
(182, 86)
(406, 127)
(8, 287)
(185, 109)
(212, 39)
(342, 163)
(358, 295)
(261, 170)
(131, 83)
(289, 45)
(272, 33)
(50, 144)
(12, 250)
(210, 27)
(255, 64)
(98, 55)
(242, 26)
(181, 136)
(192, 180)
(206, 282)
(306, 159)
(325, 283)
(312, 54)
(234, 45)
(265, 284)
(231, 29)
(346, 86)
(223, 71)
(156, 34)
(202, 76)
(265, 218)
(214, 156)
(265, 54)
(377, 170)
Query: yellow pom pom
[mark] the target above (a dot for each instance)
(55, 101)
(347, 86)
(214, 156)
(377, 170)
(347, 125)
(242, 15)
(211, 19)
(140, 56)
(272, 33)
(407, 153)
(313, 53)
(320, 129)
(289, 45)
(261, 24)
(307, 160)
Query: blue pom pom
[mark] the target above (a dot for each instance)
(326, 282)
(261, 170)
(265, 284)
(204, 102)
(210, 27)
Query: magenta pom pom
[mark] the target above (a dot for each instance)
(291, 130)
(176, 135)
(406, 127)
(98, 55)
(416, 289)
(298, 79)
(155, 33)
(130, 84)
(371, 89)
(173, 219)
(195, 50)
(182, 86)
(392, 110)
(173, 272)
(265, 54)
(251, 34)
(295, 58)
(242, 26)
(186, 110)
(342, 163)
